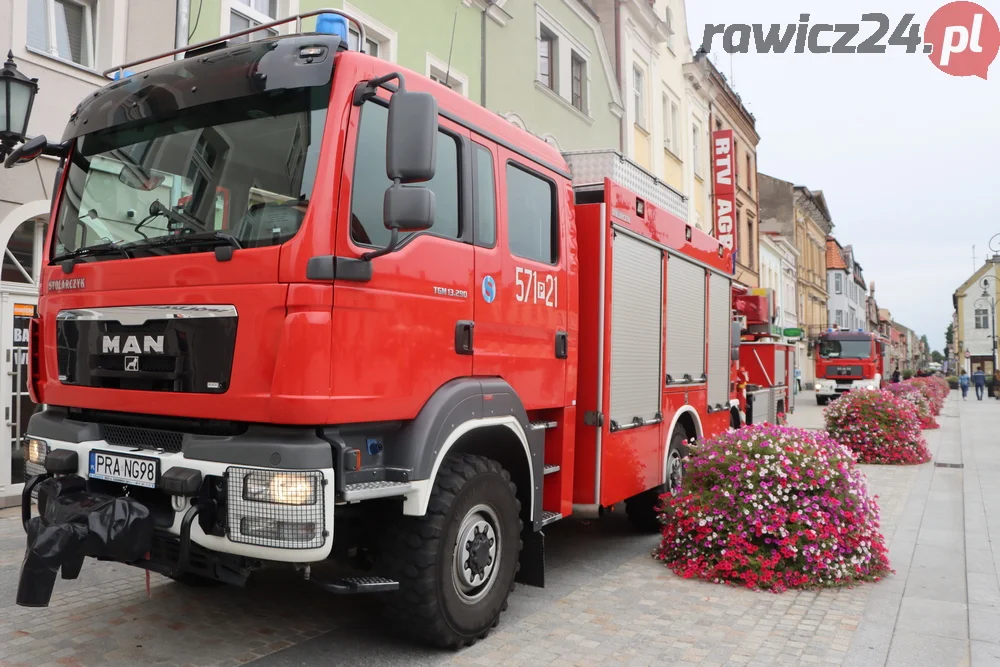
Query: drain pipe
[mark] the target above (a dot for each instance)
(181, 26)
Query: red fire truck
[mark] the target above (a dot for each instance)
(847, 360)
(764, 373)
(384, 329)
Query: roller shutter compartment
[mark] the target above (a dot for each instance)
(636, 326)
(779, 365)
(685, 319)
(719, 320)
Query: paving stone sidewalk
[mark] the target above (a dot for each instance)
(607, 602)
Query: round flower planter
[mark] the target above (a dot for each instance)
(877, 427)
(772, 507)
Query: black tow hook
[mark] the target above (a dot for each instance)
(184, 557)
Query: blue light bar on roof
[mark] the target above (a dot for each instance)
(332, 24)
(119, 75)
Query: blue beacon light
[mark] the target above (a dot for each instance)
(332, 24)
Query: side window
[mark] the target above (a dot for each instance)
(532, 221)
(486, 215)
(370, 182)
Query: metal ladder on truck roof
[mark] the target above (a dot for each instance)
(591, 167)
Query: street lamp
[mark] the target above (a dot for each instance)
(991, 299)
(17, 93)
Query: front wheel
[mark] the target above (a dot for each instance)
(456, 564)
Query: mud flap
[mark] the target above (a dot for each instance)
(532, 561)
(73, 524)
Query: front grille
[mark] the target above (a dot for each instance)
(836, 372)
(141, 438)
(116, 362)
(271, 524)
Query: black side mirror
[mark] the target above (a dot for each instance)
(411, 138)
(27, 152)
(408, 208)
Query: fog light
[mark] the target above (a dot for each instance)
(37, 450)
(273, 529)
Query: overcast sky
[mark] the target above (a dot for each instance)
(906, 155)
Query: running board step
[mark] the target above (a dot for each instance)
(542, 425)
(370, 490)
(357, 585)
(550, 517)
(551, 468)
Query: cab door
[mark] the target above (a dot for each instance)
(406, 331)
(532, 289)
(491, 307)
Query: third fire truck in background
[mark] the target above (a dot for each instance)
(847, 360)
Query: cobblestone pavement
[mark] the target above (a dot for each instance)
(606, 602)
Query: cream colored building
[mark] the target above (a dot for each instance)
(974, 302)
(65, 44)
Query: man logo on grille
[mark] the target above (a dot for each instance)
(132, 363)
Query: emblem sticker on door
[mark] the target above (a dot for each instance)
(489, 289)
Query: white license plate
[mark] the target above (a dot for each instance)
(134, 470)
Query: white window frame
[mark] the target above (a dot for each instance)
(584, 107)
(545, 33)
(983, 313)
(438, 69)
(51, 49)
(838, 284)
(668, 17)
(378, 32)
(639, 96)
(253, 16)
(565, 47)
(671, 121)
(696, 161)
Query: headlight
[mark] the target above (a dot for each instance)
(36, 451)
(281, 488)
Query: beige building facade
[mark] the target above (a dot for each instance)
(802, 216)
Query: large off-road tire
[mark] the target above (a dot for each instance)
(822, 400)
(456, 564)
(643, 509)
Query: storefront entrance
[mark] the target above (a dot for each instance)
(18, 301)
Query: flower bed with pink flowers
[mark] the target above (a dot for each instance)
(878, 427)
(773, 507)
(911, 393)
(935, 390)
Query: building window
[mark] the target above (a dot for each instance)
(62, 28)
(532, 224)
(982, 318)
(370, 182)
(639, 96)
(245, 14)
(547, 43)
(671, 125)
(840, 318)
(696, 149)
(439, 71)
(373, 47)
(486, 220)
(668, 18)
(750, 239)
(749, 174)
(838, 283)
(578, 76)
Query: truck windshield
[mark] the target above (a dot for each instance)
(241, 169)
(845, 349)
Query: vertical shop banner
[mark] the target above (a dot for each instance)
(23, 312)
(724, 186)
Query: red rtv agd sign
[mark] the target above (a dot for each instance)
(725, 189)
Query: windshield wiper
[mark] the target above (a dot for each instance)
(226, 243)
(69, 259)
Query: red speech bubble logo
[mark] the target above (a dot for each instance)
(965, 37)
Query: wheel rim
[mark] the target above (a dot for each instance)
(477, 553)
(675, 472)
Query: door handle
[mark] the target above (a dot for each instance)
(463, 336)
(562, 345)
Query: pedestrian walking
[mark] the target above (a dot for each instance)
(979, 379)
(895, 375)
(963, 383)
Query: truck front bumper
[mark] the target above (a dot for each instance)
(206, 517)
(834, 388)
